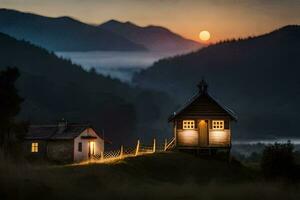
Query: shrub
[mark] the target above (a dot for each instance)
(278, 161)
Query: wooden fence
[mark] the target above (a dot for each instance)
(139, 149)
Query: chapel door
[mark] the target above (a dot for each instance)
(203, 132)
(91, 149)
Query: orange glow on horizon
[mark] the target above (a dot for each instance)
(225, 19)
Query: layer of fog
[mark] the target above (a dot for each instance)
(267, 141)
(116, 64)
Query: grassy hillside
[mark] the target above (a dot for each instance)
(54, 88)
(156, 176)
(257, 77)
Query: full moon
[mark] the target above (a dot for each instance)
(204, 35)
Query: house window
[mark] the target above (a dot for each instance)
(188, 124)
(79, 147)
(218, 124)
(34, 147)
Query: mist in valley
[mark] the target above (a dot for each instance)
(117, 64)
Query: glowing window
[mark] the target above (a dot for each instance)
(188, 124)
(218, 124)
(34, 147)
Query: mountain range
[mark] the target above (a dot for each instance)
(257, 76)
(54, 88)
(62, 33)
(154, 38)
(68, 34)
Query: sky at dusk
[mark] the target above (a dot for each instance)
(222, 18)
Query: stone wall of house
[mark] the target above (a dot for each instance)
(61, 151)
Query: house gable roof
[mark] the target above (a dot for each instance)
(40, 132)
(204, 105)
(56, 132)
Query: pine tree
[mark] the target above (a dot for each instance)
(10, 104)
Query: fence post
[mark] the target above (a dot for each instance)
(101, 156)
(121, 151)
(166, 143)
(137, 148)
(154, 145)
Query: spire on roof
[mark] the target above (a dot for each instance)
(202, 86)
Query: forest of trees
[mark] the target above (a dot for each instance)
(54, 88)
(258, 77)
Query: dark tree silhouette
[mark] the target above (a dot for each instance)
(10, 104)
(278, 161)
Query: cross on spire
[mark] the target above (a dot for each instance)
(202, 87)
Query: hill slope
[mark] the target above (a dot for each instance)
(257, 77)
(156, 176)
(62, 33)
(155, 38)
(54, 88)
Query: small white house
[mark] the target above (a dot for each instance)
(88, 143)
(63, 142)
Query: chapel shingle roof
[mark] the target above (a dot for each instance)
(204, 105)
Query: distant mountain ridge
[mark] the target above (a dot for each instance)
(155, 38)
(68, 34)
(62, 33)
(258, 77)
